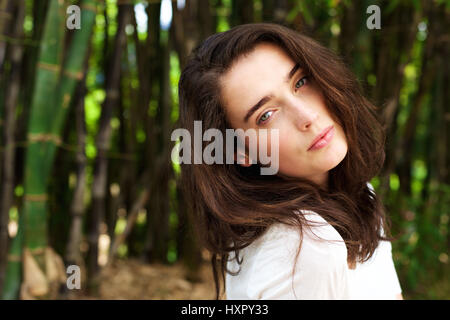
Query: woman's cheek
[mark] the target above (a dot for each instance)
(267, 141)
(286, 155)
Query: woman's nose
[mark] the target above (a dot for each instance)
(304, 114)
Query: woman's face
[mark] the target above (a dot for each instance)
(296, 108)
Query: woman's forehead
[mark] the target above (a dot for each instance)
(262, 63)
(262, 53)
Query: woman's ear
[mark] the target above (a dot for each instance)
(247, 161)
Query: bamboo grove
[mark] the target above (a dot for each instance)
(86, 117)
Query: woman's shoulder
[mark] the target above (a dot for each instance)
(316, 228)
(321, 261)
(319, 240)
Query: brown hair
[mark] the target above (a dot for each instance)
(233, 205)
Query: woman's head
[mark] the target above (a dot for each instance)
(291, 102)
(225, 76)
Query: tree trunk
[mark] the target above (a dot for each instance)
(185, 37)
(7, 18)
(131, 219)
(102, 145)
(11, 98)
(77, 207)
(241, 12)
(426, 78)
(128, 143)
(152, 51)
(159, 214)
(403, 26)
(350, 25)
(187, 27)
(189, 251)
(275, 11)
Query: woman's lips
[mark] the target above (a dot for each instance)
(323, 139)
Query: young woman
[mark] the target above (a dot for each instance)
(316, 229)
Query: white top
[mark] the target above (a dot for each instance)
(321, 272)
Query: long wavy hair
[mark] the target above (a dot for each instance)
(232, 205)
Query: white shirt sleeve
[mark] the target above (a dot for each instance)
(385, 264)
(380, 271)
(377, 277)
(320, 273)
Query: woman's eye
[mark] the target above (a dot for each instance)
(265, 116)
(301, 82)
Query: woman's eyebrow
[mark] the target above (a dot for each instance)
(267, 98)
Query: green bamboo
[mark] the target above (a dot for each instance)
(72, 73)
(41, 146)
(51, 98)
(73, 66)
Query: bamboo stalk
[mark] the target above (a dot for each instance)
(73, 255)
(41, 142)
(48, 111)
(33, 211)
(158, 225)
(6, 19)
(186, 32)
(102, 145)
(131, 220)
(8, 163)
(73, 68)
(72, 73)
